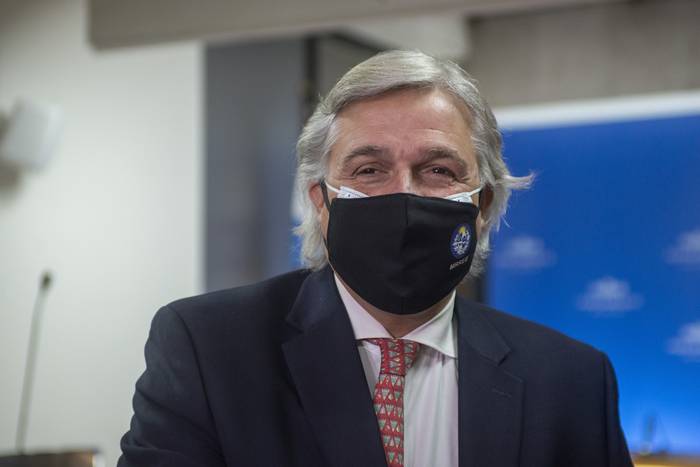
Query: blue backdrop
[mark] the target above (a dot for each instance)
(606, 248)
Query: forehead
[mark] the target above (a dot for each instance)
(403, 120)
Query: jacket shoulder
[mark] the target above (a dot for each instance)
(239, 311)
(533, 343)
(276, 290)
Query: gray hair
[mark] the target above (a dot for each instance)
(390, 71)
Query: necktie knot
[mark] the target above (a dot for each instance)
(398, 355)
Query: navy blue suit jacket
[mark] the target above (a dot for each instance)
(269, 375)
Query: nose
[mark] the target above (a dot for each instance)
(405, 182)
(402, 180)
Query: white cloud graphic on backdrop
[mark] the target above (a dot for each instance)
(686, 250)
(687, 342)
(525, 252)
(608, 295)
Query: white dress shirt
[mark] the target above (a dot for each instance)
(430, 396)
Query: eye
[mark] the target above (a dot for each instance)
(366, 171)
(444, 171)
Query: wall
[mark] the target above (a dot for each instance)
(593, 51)
(334, 56)
(116, 216)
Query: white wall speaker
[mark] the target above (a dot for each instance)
(31, 135)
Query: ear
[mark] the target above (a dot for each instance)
(316, 196)
(485, 200)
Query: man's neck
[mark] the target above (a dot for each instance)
(398, 325)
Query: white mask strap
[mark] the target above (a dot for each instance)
(464, 197)
(346, 192)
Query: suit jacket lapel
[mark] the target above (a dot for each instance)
(490, 399)
(325, 367)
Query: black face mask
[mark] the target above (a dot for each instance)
(401, 252)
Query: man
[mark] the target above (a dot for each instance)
(368, 358)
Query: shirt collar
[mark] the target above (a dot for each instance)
(438, 333)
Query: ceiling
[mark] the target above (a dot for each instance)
(435, 26)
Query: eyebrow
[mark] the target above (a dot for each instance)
(442, 152)
(366, 150)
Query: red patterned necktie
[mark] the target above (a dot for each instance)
(397, 357)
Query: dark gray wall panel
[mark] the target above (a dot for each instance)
(253, 113)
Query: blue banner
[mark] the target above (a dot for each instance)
(606, 248)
